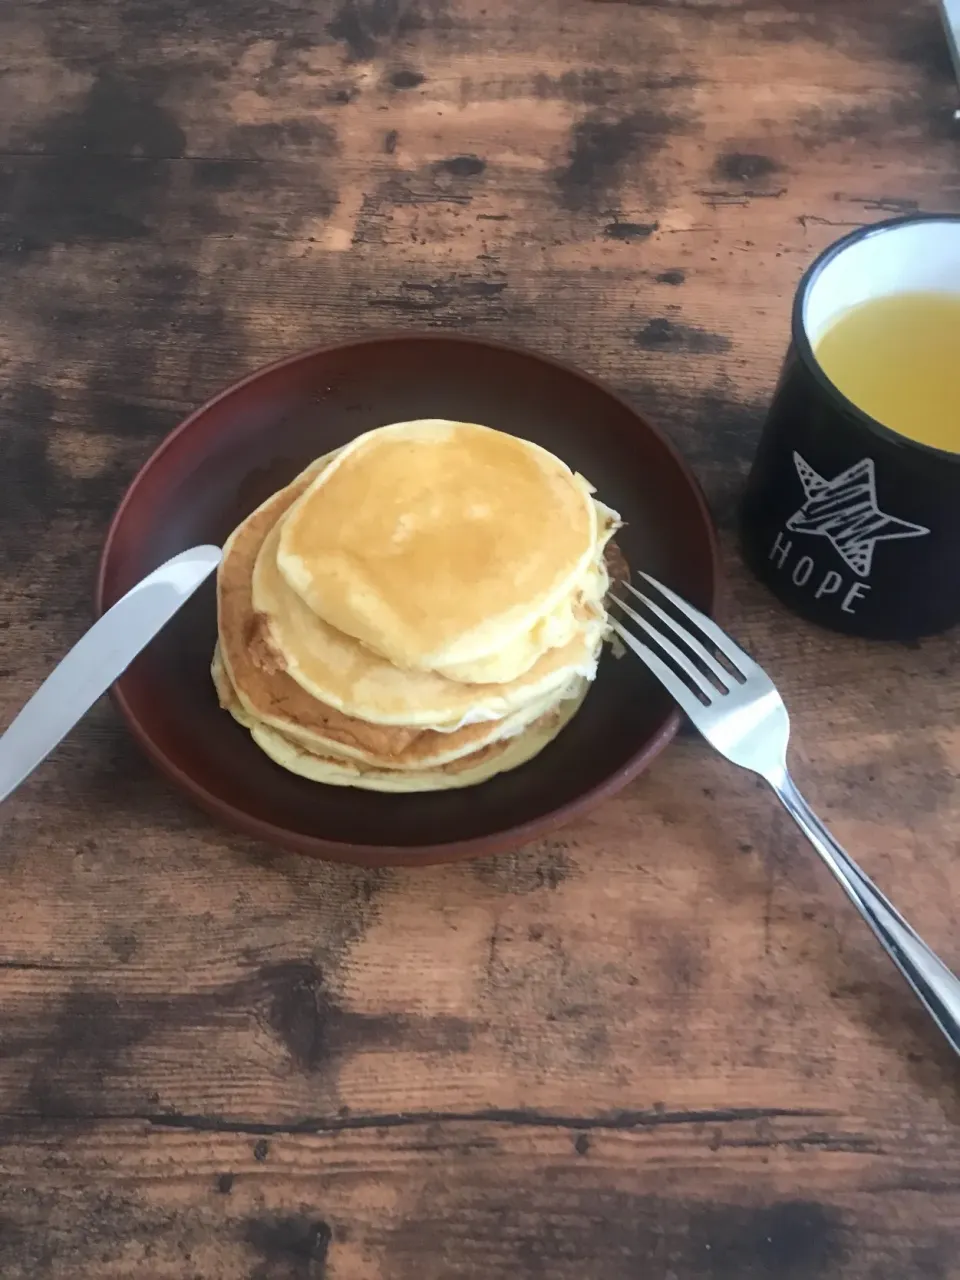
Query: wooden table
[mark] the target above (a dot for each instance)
(656, 1046)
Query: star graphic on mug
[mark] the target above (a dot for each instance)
(844, 510)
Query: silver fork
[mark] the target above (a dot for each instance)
(735, 705)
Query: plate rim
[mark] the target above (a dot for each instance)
(509, 838)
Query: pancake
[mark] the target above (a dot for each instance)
(343, 674)
(269, 696)
(439, 543)
(467, 771)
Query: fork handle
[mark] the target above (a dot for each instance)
(937, 988)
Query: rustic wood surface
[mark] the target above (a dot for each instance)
(658, 1045)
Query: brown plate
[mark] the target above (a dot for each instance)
(252, 439)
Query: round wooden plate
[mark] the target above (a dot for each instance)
(253, 438)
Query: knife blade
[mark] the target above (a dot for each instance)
(97, 659)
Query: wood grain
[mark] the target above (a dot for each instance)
(659, 1045)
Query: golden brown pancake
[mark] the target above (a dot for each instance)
(340, 672)
(439, 543)
(401, 701)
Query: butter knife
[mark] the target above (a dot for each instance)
(96, 660)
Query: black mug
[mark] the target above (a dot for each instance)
(851, 524)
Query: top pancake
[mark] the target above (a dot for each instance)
(437, 544)
(340, 672)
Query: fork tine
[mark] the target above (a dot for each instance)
(679, 657)
(730, 650)
(666, 675)
(718, 671)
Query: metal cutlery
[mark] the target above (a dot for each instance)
(737, 708)
(96, 660)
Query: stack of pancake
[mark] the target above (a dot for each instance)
(420, 610)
